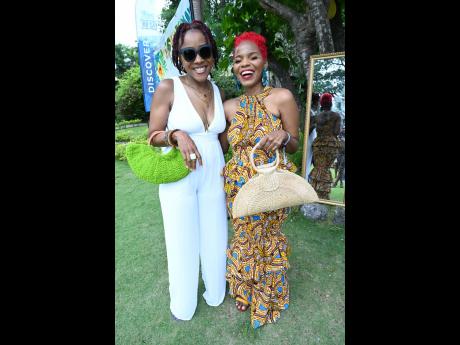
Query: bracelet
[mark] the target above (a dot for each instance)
(165, 137)
(288, 139)
(170, 133)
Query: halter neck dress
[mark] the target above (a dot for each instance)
(257, 256)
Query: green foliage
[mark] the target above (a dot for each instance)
(297, 156)
(226, 22)
(168, 11)
(244, 15)
(125, 58)
(120, 123)
(122, 136)
(120, 152)
(329, 75)
(225, 81)
(140, 139)
(133, 135)
(229, 154)
(129, 102)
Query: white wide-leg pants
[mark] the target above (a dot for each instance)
(195, 224)
(311, 138)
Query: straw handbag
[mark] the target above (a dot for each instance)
(271, 189)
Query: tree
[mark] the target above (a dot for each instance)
(168, 12)
(129, 102)
(125, 58)
(294, 29)
(197, 9)
(329, 76)
(311, 27)
(170, 9)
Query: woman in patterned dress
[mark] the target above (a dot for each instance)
(325, 147)
(256, 259)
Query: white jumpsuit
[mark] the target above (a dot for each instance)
(194, 212)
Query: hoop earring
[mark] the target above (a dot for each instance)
(237, 82)
(265, 77)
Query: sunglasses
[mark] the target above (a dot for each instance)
(189, 54)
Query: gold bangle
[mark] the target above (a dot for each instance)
(170, 139)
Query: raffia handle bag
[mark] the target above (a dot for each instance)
(271, 189)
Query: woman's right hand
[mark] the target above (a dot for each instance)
(187, 147)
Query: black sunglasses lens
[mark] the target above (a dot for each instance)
(205, 52)
(189, 54)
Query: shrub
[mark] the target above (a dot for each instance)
(129, 101)
(122, 136)
(126, 122)
(297, 156)
(226, 83)
(120, 152)
(142, 138)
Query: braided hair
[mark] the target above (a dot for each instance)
(179, 38)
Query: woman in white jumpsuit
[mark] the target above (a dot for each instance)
(188, 112)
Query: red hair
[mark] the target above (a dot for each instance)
(255, 38)
(325, 100)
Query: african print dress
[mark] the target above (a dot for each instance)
(325, 149)
(257, 257)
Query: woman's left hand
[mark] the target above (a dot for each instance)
(274, 140)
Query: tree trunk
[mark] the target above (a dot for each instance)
(303, 29)
(305, 39)
(301, 26)
(338, 32)
(310, 29)
(318, 15)
(197, 9)
(283, 76)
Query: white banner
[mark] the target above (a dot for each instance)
(154, 46)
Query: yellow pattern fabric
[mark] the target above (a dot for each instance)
(257, 257)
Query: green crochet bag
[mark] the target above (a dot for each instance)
(155, 167)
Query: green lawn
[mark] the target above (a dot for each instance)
(316, 278)
(337, 193)
(134, 131)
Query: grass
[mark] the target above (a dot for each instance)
(316, 278)
(337, 193)
(134, 131)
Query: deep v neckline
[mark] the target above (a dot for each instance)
(196, 111)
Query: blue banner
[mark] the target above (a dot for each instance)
(155, 46)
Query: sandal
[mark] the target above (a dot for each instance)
(241, 304)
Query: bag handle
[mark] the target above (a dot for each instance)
(264, 168)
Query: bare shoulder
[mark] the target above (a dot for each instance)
(282, 95)
(231, 104)
(166, 86)
(230, 107)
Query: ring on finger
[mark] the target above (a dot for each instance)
(192, 156)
